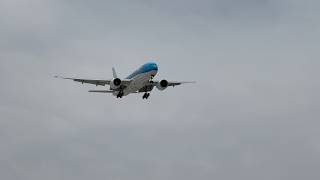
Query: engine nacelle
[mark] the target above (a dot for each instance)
(115, 84)
(162, 85)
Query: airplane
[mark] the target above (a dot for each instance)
(140, 81)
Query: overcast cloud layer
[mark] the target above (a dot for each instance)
(253, 114)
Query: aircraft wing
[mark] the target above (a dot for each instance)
(172, 83)
(88, 81)
(96, 82)
(176, 83)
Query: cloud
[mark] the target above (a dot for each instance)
(252, 114)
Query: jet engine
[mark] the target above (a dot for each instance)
(162, 85)
(115, 83)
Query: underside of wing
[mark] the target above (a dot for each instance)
(163, 84)
(96, 82)
(170, 83)
(176, 83)
(88, 81)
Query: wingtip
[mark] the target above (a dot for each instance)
(59, 77)
(192, 82)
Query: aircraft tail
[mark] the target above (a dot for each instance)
(114, 73)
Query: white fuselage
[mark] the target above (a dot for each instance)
(138, 82)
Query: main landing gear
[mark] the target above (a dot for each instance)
(146, 96)
(120, 94)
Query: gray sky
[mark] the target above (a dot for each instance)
(253, 114)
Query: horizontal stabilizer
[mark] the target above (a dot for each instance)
(101, 91)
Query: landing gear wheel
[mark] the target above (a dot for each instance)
(120, 94)
(146, 96)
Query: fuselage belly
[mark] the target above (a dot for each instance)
(139, 79)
